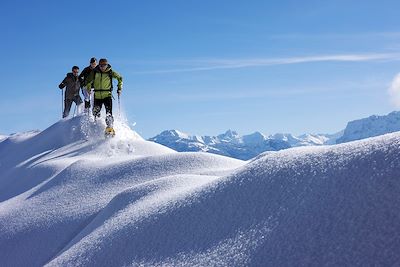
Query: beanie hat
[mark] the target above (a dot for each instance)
(93, 59)
(103, 61)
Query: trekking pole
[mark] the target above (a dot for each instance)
(119, 106)
(74, 110)
(62, 103)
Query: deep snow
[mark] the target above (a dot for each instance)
(68, 197)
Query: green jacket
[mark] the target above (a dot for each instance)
(102, 82)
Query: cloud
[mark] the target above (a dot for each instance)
(394, 91)
(334, 89)
(336, 36)
(216, 64)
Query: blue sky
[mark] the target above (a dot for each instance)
(206, 66)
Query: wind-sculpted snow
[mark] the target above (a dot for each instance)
(329, 205)
(49, 191)
(309, 206)
(35, 157)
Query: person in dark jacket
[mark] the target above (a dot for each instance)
(72, 84)
(83, 79)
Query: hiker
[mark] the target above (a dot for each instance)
(72, 84)
(83, 79)
(101, 80)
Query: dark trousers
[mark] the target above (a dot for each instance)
(98, 104)
(68, 103)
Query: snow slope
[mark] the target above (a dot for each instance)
(328, 205)
(54, 183)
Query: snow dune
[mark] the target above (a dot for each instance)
(129, 202)
(55, 182)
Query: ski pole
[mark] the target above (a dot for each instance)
(62, 103)
(74, 110)
(119, 106)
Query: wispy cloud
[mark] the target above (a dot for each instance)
(394, 91)
(331, 90)
(337, 36)
(217, 64)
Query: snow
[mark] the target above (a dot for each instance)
(3, 137)
(72, 198)
(371, 126)
(229, 137)
(302, 140)
(179, 141)
(232, 144)
(175, 134)
(312, 139)
(55, 182)
(254, 138)
(17, 137)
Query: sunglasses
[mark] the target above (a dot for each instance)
(103, 65)
(75, 71)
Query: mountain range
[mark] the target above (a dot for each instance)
(246, 147)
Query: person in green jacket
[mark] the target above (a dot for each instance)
(101, 80)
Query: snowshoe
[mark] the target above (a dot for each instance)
(109, 132)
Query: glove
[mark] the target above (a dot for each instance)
(87, 104)
(119, 91)
(61, 86)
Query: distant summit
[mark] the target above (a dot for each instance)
(370, 127)
(180, 141)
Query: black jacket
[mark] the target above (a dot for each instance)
(84, 74)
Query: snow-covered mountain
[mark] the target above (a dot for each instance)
(180, 141)
(304, 139)
(234, 145)
(248, 146)
(19, 136)
(68, 197)
(371, 126)
(3, 137)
